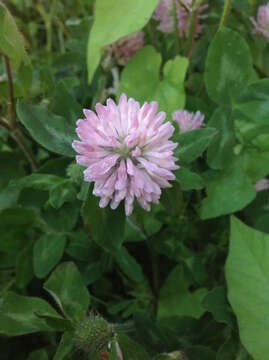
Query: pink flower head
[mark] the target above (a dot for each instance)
(164, 13)
(261, 26)
(187, 120)
(123, 49)
(127, 152)
(262, 184)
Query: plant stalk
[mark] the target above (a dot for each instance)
(225, 13)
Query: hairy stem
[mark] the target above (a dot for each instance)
(18, 136)
(225, 13)
(12, 125)
(13, 117)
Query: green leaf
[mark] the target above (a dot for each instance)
(106, 226)
(176, 299)
(13, 228)
(189, 180)
(51, 131)
(65, 346)
(21, 315)
(128, 17)
(228, 67)
(220, 150)
(68, 290)
(130, 349)
(48, 251)
(64, 104)
(172, 200)
(61, 193)
(11, 40)
(38, 355)
(248, 286)
(140, 79)
(129, 265)
(216, 303)
(191, 144)
(227, 191)
(113, 352)
(24, 266)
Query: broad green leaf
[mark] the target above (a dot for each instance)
(129, 265)
(216, 303)
(21, 315)
(140, 79)
(130, 349)
(106, 226)
(227, 191)
(128, 17)
(68, 290)
(48, 251)
(189, 180)
(228, 67)
(53, 132)
(81, 247)
(65, 346)
(175, 298)
(220, 150)
(11, 40)
(229, 350)
(191, 144)
(247, 276)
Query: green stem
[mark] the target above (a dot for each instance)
(13, 117)
(12, 126)
(225, 13)
(18, 136)
(192, 27)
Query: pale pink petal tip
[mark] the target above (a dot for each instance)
(165, 14)
(127, 152)
(187, 120)
(261, 26)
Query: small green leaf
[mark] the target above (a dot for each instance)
(175, 298)
(113, 352)
(227, 191)
(38, 355)
(216, 303)
(129, 265)
(21, 315)
(48, 251)
(65, 346)
(189, 180)
(248, 286)
(64, 104)
(228, 67)
(52, 131)
(106, 226)
(130, 349)
(128, 17)
(140, 79)
(220, 150)
(24, 266)
(191, 144)
(68, 290)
